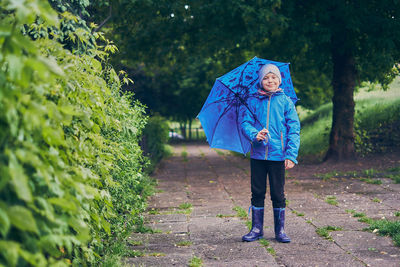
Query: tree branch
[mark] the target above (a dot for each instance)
(104, 21)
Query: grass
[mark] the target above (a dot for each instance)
(184, 243)
(361, 215)
(332, 174)
(135, 242)
(325, 231)
(397, 214)
(394, 174)
(185, 206)
(370, 176)
(370, 173)
(366, 220)
(219, 152)
(154, 211)
(331, 200)
(387, 228)
(266, 245)
(184, 155)
(195, 262)
(377, 200)
(240, 155)
(168, 151)
(248, 224)
(376, 111)
(240, 212)
(136, 253)
(371, 181)
(300, 214)
(156, 254)
(382, 227)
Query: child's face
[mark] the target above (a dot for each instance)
(270, 82)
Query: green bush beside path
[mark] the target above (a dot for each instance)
(71, 186)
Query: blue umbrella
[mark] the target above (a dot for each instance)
(220, 116)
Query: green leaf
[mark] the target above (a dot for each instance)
(59, 264)
(106, 226)
(49, 244)
(44, 208)
(22, 218)
(15, 66)
(18, 179)
(63, 203)
(48, 13)
(53, 137)
(4, 223)
(5, 176)
(9, 250)
(69, 110)
(52, 65)
(81, 228)
(36, 259)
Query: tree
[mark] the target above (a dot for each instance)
(350, 42)
(173, 51)
(333, 46)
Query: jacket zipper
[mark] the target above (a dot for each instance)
(282, 141)
(266, 148)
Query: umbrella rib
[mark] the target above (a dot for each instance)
(219, 101)
(241, 75)
(241, 78)
(220, 117)
(245, 104)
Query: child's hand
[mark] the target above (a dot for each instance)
(289, 164)
(262, 135)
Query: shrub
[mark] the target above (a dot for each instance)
(155, 137)
(71, 181)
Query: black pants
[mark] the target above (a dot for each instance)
(276, 174)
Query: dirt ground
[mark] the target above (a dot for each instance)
(197, 215)
(373, 161)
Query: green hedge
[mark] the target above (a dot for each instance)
(155, 136)
(71, 184)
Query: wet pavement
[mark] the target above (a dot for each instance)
(194, 217)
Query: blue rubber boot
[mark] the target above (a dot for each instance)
(279, 221)
(257, 222)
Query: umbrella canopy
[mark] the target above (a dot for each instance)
(220, 115)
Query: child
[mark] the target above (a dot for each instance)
(274, 148)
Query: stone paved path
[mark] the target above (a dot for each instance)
(215, 182)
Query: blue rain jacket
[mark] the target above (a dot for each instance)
(278, 115)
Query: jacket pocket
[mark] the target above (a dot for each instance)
(283, 148)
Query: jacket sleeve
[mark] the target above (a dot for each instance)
(247, 123)
(293, 130)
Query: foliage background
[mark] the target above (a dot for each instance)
(376, 123)
(72, 185)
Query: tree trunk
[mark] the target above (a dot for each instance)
(341, 142)
(190, 129)
(183, 129)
